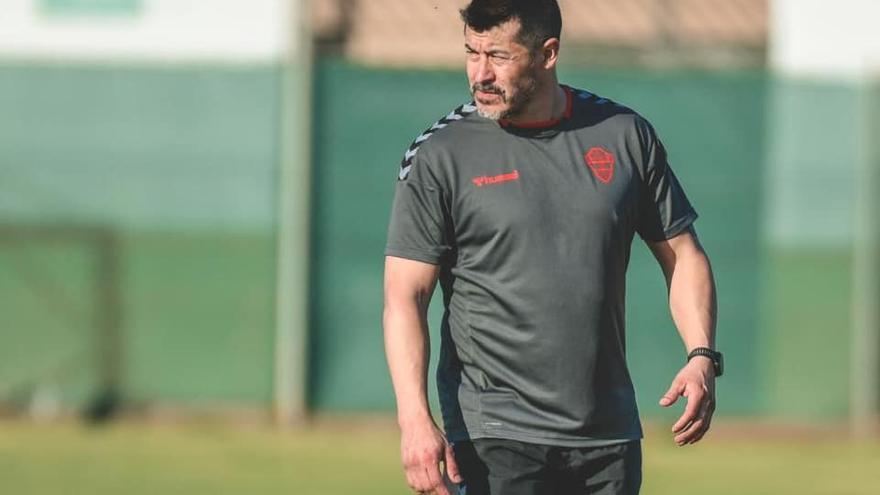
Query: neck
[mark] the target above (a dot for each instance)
(547, 104)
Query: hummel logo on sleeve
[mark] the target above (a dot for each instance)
(457, 114)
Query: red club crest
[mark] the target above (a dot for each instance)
(601, 162)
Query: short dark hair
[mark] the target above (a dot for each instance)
(539, 20)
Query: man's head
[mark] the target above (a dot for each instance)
(512, 48)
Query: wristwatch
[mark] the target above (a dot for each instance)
(716, 357)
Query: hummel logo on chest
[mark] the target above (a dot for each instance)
(495, 179)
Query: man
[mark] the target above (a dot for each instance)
(524, 205)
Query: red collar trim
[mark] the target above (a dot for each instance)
(543, 124)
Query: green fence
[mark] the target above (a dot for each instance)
(713, 126)
(179, 167)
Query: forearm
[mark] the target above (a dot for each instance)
(408, 288)
(407, 350)
(692, 303)
(692, 299)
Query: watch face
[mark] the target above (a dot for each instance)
(719, 364)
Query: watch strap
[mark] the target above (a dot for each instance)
(716, 357)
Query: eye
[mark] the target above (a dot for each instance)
(499, 58)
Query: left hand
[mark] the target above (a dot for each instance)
(696, 382)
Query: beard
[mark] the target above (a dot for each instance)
(517, 100)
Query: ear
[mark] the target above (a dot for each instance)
(550, 53)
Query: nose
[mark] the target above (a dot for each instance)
(484, 72)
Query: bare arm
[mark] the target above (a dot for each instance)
(692, 302)
(408, 289)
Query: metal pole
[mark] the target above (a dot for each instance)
(865, 373)
(292, 294)
(107, 284)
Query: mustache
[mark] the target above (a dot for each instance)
(488, 88)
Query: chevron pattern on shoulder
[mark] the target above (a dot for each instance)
(457, 114)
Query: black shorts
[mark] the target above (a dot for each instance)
(492, 466)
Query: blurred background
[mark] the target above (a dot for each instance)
(194, 197)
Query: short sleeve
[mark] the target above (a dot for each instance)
(664, 210)
(420, 226)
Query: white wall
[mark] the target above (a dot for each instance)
(296, 15)
(837, 39)
(160, 30)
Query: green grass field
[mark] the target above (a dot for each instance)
(361, 457)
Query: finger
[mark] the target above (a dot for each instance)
(671, 395)
(694, 403)
(420, 479)
(452, 466)
(411, 481)
(698, 427)
(437, 486)
(695, 433)
(688, 434)
(435, 481)
(700, 434)
(707, 423)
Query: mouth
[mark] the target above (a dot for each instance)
(486, 96)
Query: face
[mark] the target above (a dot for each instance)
(502, 74)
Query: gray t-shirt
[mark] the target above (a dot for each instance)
(532, 228)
